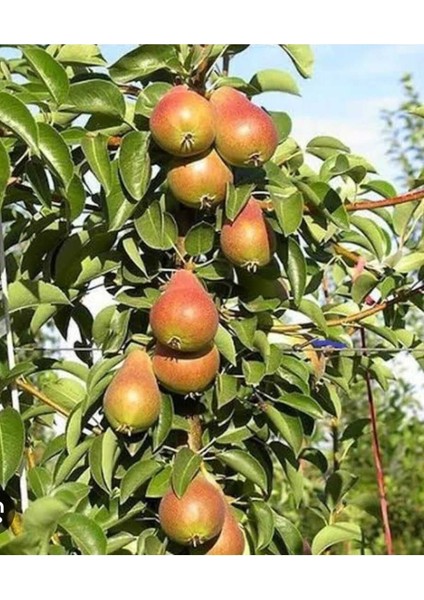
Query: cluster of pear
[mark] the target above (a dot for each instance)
(184, 320)
(202, 519)
(187, 125)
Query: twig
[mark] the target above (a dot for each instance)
(354, 318)
(376, 451)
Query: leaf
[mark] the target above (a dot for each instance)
(418, 111)
(75, 195)
(73, 428)
(65, 392)
(95, 149)
(274, 80)
(295, 266)
(159, 483)
(303, 403)
(150, 96)
(289, 534)
(85, 532)
(16, 116)
(186, 465)
(302, 57)
(51, 73)
(335, 534)
(283, 124)
(264, 519)
(134, 163)
(156, 228)
(236, 199)
(40, 481)
(97, 96)
(225, 344)
(164, 425)
(80, 54)
(253, 371)
(136, 475)
(362, 286)
(325, 146)
(199, 239)
(4, 171)
(12, 440)
(71, 461)
(288, 210)
(244, 463)
(288, 426)
(143, 61)
(372, 232)
(410, 262)
(27, 294)
(56, 152)
(337, 486)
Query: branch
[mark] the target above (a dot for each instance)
(363, 204)
(354, 318)
(376, 451)
(28, 387)
(195, 433)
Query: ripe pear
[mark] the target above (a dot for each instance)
(196, 517)
(185, 373)
(182, 122)
(200, 182)
(249, 241)
(231, 539)
(132, 401)
(245, 134)
(184, 317)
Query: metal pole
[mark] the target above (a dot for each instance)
(11, 359)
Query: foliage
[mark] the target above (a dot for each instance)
(72, 132)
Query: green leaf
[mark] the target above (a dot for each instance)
(149, 97)
(136, 475)
(164, 425)
(40, 481)
(85, 532)
(245, 330)
(236, 199)
(283, 124)
(65, 392)
(75, 195)
(291, 467)
(4, 171)
(156, 228)
(73, 428)
(335, 534)
(418, 111)
(382, 188)
(16, 116)
(97, 96)
(337, 486)
(294, 263)
(12, 440)
(199, 239)
(264, 520)
(274, 80)
(325, 146)
(288, 210)
(134, 163)
(28, 294)
(225, 344)
(289, 534)
(72, 460)
(56, 152)
(51, 73)
(362, 286)
(244, 463)
(302, 57)
(303, 403)
(81, 54)
(372, 232)
(288, 426)
(159, 483)
(410, 262)
(95, 149)
(119, 206)
(253, 371)
(186, 466)
(331, 204)
(143, 61)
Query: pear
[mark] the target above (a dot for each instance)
(245, 134)
(230, 541)
(182, 122)
(184, 317)
(200, 182)
(132, 401)
(196, 517)
(185, 373)
(249, 241)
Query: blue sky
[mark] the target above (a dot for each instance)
(350, 86)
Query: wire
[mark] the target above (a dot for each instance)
(326, 350)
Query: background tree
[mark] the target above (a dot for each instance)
(86, 194)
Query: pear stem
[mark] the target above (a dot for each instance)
(195, 433)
